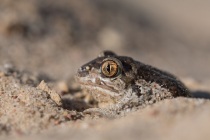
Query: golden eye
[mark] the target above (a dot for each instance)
(109, 68)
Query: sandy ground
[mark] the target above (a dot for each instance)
(43, 43)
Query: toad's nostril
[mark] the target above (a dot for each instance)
(84, 68)
(82, 73)
(81, 69)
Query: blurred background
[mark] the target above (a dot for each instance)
(56, 37)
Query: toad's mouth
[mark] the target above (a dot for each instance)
(99, 86)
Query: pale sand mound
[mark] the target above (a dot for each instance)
(179, 118)
(27, 109)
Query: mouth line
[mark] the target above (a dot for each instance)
(90, 84)
(102, 88)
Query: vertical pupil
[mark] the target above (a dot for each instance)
(108, 68)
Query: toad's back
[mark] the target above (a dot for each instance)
(162, 78)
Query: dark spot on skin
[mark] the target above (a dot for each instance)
(137, 90)
(98, 81)
(126, 62)
(126, 67)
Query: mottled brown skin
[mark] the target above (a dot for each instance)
(135, 84)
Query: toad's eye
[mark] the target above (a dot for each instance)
(109, 68)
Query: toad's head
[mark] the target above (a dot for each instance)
(107, 76)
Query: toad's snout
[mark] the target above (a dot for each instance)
(83, 71)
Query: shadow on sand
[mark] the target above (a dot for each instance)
(201, 94)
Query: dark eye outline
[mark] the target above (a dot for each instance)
(119, 67)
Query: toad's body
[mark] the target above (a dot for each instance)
(120, 83)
